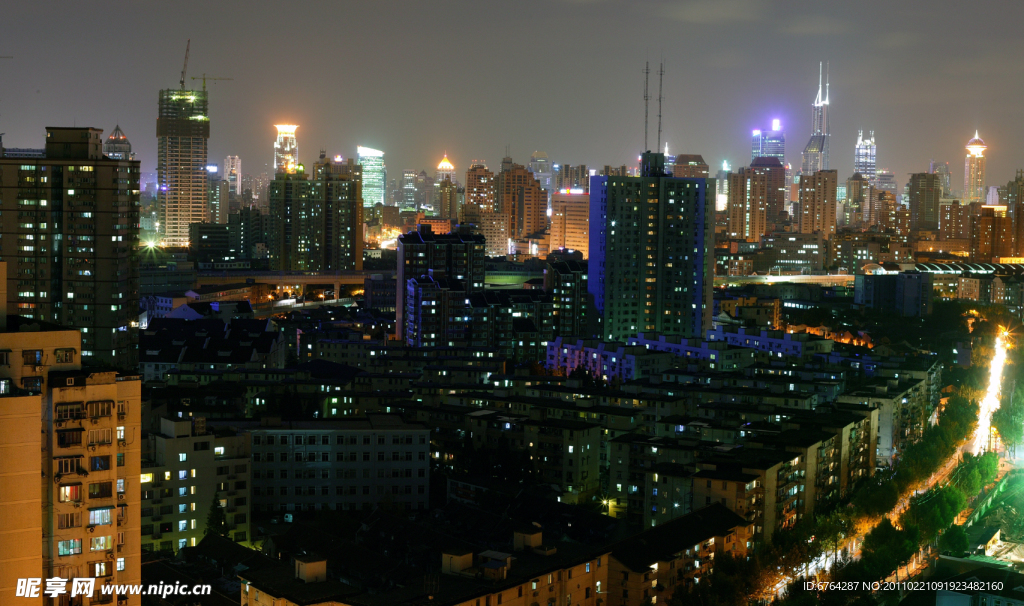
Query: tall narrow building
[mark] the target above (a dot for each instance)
(748, 204)
(864, 156)
(286, 148)
(117, 146)
(570, 222)
(182, 133)
(233, 175)
(974, 171)
(775, 200)
(818, 203)
(521, 197)
(71, 220)
(480, 192)
(815, 156)
(445, 170)
(925, 193)
(651, 265)
(769, 143)
(942, 170)
(375, 176)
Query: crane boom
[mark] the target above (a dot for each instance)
(204, 78)
(185, 67)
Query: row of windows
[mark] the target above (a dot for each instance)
(299, 440)
(311, 457)
(299, 491)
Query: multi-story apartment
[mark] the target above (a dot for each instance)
(316, 219)
(925, 192)
(182, 134)
(570, 222)
(480, 188)
(186, 471)
(567, 283)
(903, 405)
(748, 205)
(70, 224)
(651, 265)
(70, 496)
(818, 203)
(345, 464)
(992, 234)
(521, 197)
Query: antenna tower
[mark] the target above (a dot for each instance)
(647, 72)
(661, 75)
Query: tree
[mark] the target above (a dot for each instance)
(216, 521)
(954, 541)
(1009, 420)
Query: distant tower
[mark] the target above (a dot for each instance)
(445, 170)
(374, 175)
(286, 148)
(769, 143)
(182, 135)
(815, 156)
(117, 146)
(864, 157)
(233, 174)
(974, 171)
(942, 170)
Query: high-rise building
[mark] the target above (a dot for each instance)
(815, 155)
(651, 263)
(542, 170)
(885, 210)
(480, 188)
(885, 180)
(689, 166)
(217, 198)
(974, 171)
(775, 200)
(748, 204)
(71, 219)
(182, 133)
(942, 170)
(233, 175)
(445, 170)
(316, 219)
(449, 201)
(117, 146)
(374, 176)
(408, 201)
(925, 192)
(570, 222)
(992, 235)
(722, 188)
(521, 197)
(459, 256)
(864, 156)
(858, 199)
(573, 178)
(286, 148)
(818, 203)
(769, 143)
(69, 463)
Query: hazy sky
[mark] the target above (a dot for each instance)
(417, 78)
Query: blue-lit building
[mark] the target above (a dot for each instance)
(651, 261)
(769, 143)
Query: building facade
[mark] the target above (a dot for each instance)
(286, 148)
(182, 134)
(374, 175)
(818, 203)
(570, 222)
(864, 156)
(974, 171)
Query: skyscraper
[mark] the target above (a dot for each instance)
(689, 166)
(769, 143)
(182, 133)
(448, 200)
(233, 174)
(925, 192)
(71, 220)
(445, 169)
(864, 156)
(818, 203)
(722, 188)
(651, 265)
(408, 201)
(286, 148)
(570, 222)
(942, 170)
(775, 197)
(521, 197)
(858, 199)
(974, 171)
(542, 171)
(117, 146)
(815, 156)
(748, 204)
(573, 177)
(480, 194)
(374, 175)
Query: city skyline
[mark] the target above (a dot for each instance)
(738, 98)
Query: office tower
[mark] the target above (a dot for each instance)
(316, 219)
(521, 197)
(480, 193)
(374, 175)
(449, 202)
(217, 198)
(408, 199)
(69, 462)
(864, 156)
(459, 256)
(769, 143)
(424, 186)
(722, 188)
(393, 193)
(445, 170)
(182, 132)
(689, 166)
(748, 204)
(117, 146)
(573, 178)
(942, 170)
(542, 170)
(651, 266)
(925, 192)
(570, 222)
(815, 155)
(992, 235)
(818, 203)
(974, 171)
(775, 201)
(286, 148)
(494, 226)
(71, 219)
(884, 210)
(858, 192)
(233, 175)
(886, 181)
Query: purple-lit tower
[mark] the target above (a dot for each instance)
(769, 143)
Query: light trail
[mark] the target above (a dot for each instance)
(990, 403)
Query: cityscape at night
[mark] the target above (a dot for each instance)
(375, 304)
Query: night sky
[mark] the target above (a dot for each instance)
(418, 78)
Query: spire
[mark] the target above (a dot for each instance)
(976, 135)
(817, 100)
(826, 83)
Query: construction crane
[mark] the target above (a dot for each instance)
(185, 67)
(204, 78)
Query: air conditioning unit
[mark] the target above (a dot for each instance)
(110, 555)
(92, 528)
(122, 443)
(78, 504)
(120, 496)
(92, 448)
(71, 382)
(39, 369)
(59, 424)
